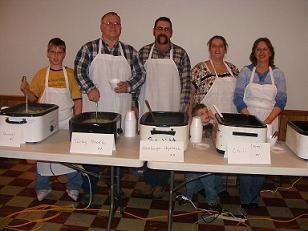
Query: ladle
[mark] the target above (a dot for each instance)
(24, 78)
(150, 110)
(96, 111)
(217, 110)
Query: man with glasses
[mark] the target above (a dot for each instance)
(167, 87)
(100, 61)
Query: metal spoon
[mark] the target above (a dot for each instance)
(24, 78)
(150, 110)
(96, 111)
(217, 110)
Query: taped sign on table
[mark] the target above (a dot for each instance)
(10, 136)
(92, 143)
(248, 153)
(172, 151)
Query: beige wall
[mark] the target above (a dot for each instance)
(27, 25)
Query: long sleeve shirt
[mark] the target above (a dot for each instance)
(265, 78)
(88, 52)
(181, 59)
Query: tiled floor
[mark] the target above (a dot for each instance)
(17, 193)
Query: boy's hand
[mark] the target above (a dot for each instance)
(24, 86)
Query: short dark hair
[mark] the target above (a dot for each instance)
(196, 108)
(268, 43)
(209, 43)
(109, 13)
(57, 42)
(165, 19)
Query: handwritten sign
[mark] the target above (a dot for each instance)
(172, 151)
(92, 143)
(248, 153)
(10, 136)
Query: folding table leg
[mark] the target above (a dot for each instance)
(170, 211)
(112, 207)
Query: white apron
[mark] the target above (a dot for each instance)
(62, 98)
(260, 99)
(162, 87)
(221, 93)
(103, 68)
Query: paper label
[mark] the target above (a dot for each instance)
(92, 143)
(162, 151)
(10, 136)
(248, 153)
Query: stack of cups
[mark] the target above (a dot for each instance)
(130, 124)
(196, 130)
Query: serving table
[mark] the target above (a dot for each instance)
(283, 162)
(56, 148)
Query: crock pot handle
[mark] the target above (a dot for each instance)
(158, 132)
(23, 121)
(119, 131)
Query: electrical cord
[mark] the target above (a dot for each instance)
(286, 188)
(59, 209)
(189, 180)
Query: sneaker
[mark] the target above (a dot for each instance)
(42, 194)
(73, 194)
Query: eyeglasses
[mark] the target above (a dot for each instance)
(112, 23)
(166, 29)
(262, 49)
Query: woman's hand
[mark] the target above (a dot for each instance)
(94, 95)
(122, 87)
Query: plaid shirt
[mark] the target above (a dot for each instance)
(181, 59)
(87, 53)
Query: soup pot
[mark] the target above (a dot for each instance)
(100, 122)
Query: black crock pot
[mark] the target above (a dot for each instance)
(106, 123)
(164, 119)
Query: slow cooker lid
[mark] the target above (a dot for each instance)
(299, 126)
(164, 119)
(34, 109)
(239, 120)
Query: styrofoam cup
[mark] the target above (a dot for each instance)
(130, 124)
(196, 130)
(113, 83)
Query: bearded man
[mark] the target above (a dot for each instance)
(167, 87)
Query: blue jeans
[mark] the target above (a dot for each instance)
(250, 187)
(212, 185)
(156, 177)
(73, 181)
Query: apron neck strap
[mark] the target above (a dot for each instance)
(270, 71)
(64, 73)
(229, 70)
